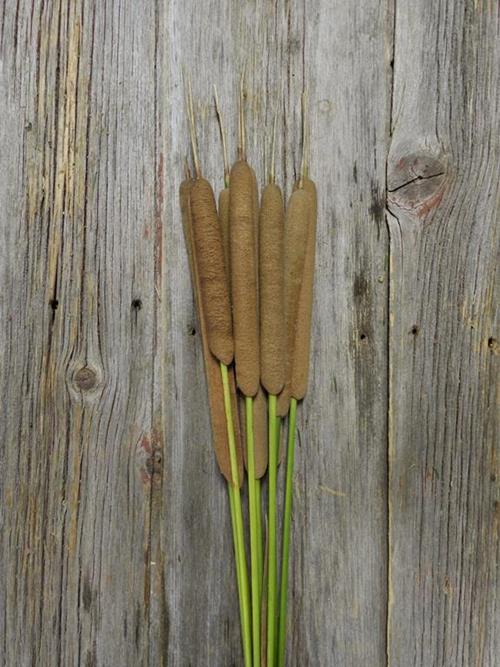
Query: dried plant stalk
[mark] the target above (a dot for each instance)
(224, 226)
(271, 289)
(212, 370)
(244, 278)
(211, 270)
(302, 342)
(297, 222)
(260, 432)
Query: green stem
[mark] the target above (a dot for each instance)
(287, 516)
(272, 550)
(260, 561)
(239, 537)
(254, 546)
(230, 490)
(278, 436)
(278, 452)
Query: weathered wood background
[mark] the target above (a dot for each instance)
(115, 545)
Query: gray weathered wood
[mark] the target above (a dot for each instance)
(81, 279)
(443, 448)
(115, 546)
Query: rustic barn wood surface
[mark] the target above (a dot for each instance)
(115, 545)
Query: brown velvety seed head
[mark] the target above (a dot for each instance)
(212, 368)
(255, 204)
(244, 278)
(218, 416)
(271, 290)
(302, 343)
(212, 273)
(224, 226)
(255, 210)
(296, 231)
(260, 432)
(283, 401)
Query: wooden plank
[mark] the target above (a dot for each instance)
(444, 196)
(339, 566)
(338, 581)
(115, 542)
(83, 252)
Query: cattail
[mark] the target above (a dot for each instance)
(244, 277)
(212, 369)
(271, 250)
(302, 342)
(212, 272)
(296, 235)
(259, 432)
(214, 305)
(283, 401)
(224, 226)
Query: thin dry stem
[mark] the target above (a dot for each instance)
(192, 129)
(241, 119)
(223, 138)
(304, 167)
(272, 169)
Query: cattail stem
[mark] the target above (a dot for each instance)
(254, 545)
(239, 538)
(285, 547)
(239, 581)
(192, 131)
(258, 523)
(222, 138)
(241, 120)
(272, 543)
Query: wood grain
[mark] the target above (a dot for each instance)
(443, 447)
(82, 435)
(115, 530)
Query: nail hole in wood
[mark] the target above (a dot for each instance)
(414, 330)
(53, 303)
(362, 336)
(192, 331)
(136, 304)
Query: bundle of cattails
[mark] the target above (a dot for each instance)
(252, 270)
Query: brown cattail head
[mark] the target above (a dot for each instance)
(212, 368)
(224, 227)
(212, 273)
(260, 432)
(302, 344)
(283, 401)
(271, 290)
(244, 277)
(296, 234)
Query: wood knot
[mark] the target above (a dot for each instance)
(150, 458)
(85, 379)
(494, 345)
(416, 182)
